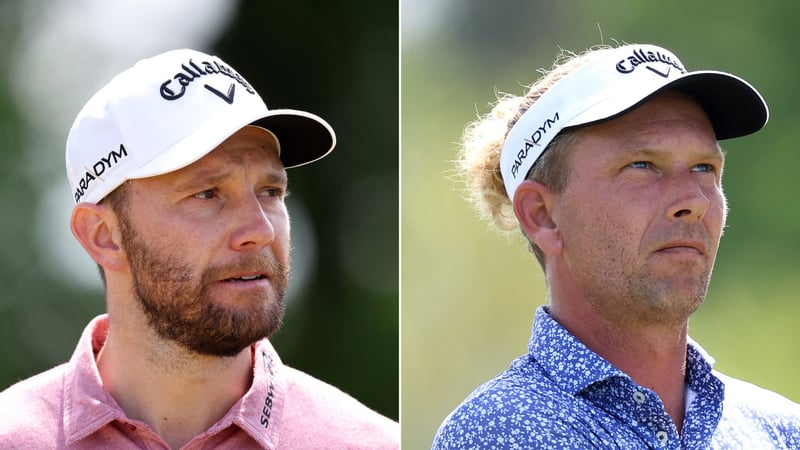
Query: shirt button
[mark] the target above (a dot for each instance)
(639, 397)
(662, 436)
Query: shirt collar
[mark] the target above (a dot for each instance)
(700, 377)
(260, 411)
(87, 405)
(572, 365)
(566, 360)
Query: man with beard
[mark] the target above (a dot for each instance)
(611, 168)
(177, 169)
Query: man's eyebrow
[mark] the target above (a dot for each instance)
(205, 179)
(276, 177)
(201, 180)
(634, 151)
(638, 150)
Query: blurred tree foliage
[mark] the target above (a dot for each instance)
(336, 59)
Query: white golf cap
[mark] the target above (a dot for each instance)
(615, 81)
(169, 111)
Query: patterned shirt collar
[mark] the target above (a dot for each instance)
(573, 366)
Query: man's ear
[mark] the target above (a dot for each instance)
(533, 206)
(97, 229)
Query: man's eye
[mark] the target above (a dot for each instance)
(272, 192)
(640, 165)
(205, 195)
(704, 168)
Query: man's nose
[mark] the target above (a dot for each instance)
(689, 202)
(252, 225)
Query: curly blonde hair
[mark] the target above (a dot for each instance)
(478, 161)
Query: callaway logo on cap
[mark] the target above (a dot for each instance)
(612, 82)
(169, 111)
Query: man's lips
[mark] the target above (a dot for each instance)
(240, 278)
(245, 282)
(251, 269)
(683, 246)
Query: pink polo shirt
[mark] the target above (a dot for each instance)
(67, 407)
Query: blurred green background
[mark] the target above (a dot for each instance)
(338, 60)
(468, 294)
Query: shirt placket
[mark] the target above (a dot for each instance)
(652, 423)
(643, 421)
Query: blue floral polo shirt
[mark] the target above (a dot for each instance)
(562, 395)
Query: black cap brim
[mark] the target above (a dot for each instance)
(303, 137)
(734, 107)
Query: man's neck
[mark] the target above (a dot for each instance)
(179, 394)
(654, 356)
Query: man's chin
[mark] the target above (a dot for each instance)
(230, 344)
(221, 330)
(217, 351)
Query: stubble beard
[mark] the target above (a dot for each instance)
(644, 294)
(181, 310)
(658, 300)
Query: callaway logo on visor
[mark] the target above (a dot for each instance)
(639, 57)
(191, 71)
